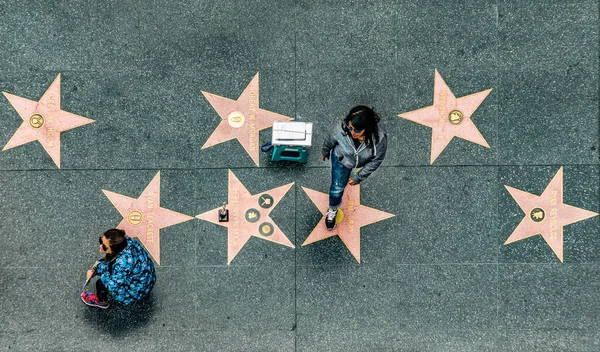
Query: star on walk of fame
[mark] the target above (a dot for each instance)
(43, 121)
(449, 117)
(242, 119)
(546, 214)
(356, 216)
(249, 216)
(144, 217)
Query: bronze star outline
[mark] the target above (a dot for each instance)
(548, 207)
(241, 202)
(143, 217)
(43, 121)
(246, 128)
(437, 117)
(356, 216)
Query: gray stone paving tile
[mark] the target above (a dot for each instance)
(43, 300)
(40, 299)
(549, 75)
(43, 35)
(78, 96)
(548, 296)
(8, 341)
(416, 92)
(457, 34)
(31, 155)
(160, 340)
(169, 306)
(345, 33)
(75, 211)
(444, 231)
(459, 39)
(325, 96)
(549, 340)
(276, 94)
(207, 35)
(148, 121)
(49, 212)
(178, 193)
(379, 241)
(388, 340)
(581, 243)
(212, 238)
(117, 42)
(246, 340)
(409, 296)
(245, 298)
(61, 35)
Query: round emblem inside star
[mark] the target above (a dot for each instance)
(265, 201)
(455, 117)
(537, 214)
(252, 215)
(135, 218)
(36, 121)
(236, 119)
(265, 229)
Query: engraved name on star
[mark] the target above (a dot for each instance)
(449, 117)
(249, 216)
(356, 216)
(144, 217)
(546, 214)
(43, 121)
(242, 119)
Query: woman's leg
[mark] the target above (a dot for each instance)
(101, 291)
(339, 179)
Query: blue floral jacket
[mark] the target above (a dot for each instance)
(130, 276)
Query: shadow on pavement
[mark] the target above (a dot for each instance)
(118, 319)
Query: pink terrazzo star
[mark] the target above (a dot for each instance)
(449, 117)
(546, 214)
(242, 119)
(43, 121)
(356, 216)
(249, 216)
(143, 217)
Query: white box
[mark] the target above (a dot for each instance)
(292, 133)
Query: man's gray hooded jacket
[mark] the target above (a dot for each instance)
(366, 158)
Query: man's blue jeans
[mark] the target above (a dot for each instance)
(339, 179)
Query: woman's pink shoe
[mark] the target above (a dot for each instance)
(91, 299)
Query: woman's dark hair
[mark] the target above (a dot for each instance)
(364, 118)
(117, 241)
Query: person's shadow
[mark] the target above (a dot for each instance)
(120, 319)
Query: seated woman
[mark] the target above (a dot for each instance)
(126, 273)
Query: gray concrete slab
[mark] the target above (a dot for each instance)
(253, 36)
(366, 340)
(246, 298)
(8, 341)
(345, 34)
(580, 190)
(79, 95)
(407, 296)
(276, 94)
(548, 56)
(161, 340)
(549, 297)
(212, 239)
(439, 35)
(549, 340)
(438, 232)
